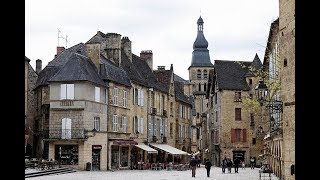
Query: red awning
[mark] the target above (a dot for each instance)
(125, 142)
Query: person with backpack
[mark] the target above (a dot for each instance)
(193, 165)
(208, 165)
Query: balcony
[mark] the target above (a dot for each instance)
(67, 134)
(153, 111)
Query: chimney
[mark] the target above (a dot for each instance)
(38, 66)
(126, 47)
(60, 49)
(161, 68)
(93, 51)
(147, 55)
(113, 47)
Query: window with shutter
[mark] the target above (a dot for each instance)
(237, 135)
(97, 94)
(150, 128)
(96, 123)
(124, 124)
(115, 123)
(136, 96)
(232, 135)
(66, 128)
(115, 96)
(244, 135)
(238, 114)
(67, 91)
(124, 98)
(141, 125)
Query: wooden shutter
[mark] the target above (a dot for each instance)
(142, 98)
(141, 125)
(70, 91)
(244, 135)
(63, 91)
(97, 94)
(233, 133)
(63, 128)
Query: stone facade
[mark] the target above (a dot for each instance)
(287, 60)
(30, 105)
(82, 110)
(198, 77)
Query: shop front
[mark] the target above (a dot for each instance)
(120, 153)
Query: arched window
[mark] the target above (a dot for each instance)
(198, 74)
(205, 74)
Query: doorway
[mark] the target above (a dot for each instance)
(96, 159)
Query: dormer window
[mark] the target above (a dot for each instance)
(237, 97)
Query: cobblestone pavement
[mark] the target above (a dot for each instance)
(216, 174)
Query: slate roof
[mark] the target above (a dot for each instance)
(164, 77)
(132, 70)
(179, 92)
(60, 61)
(200, 54)
(146, 72)
(179, 79)
(231, 75)
(78, 68)
(111, 72)
(97, 38)
(26, 59)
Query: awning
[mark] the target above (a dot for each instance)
(146, 148)
(170, 149)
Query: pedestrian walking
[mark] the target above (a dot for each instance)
(236, 163)
(224, 164)
(208, 166)
(193, 164)
(252, 162)
(229, 164)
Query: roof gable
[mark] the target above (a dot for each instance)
(78, 68)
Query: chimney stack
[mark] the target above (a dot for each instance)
(161, 68)
(113, 47)
(147, 55)
(126, 47)
(38, 66)
(60, 49)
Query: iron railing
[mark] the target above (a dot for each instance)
(64, 133)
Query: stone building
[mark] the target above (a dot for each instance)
(103, 105)
(30, 107)
(287, 61)
(274, 136)
(179, 108)
(280, 64)
(233, 127)
(198, 78)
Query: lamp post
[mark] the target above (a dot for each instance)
(60, 157)
(274, 106)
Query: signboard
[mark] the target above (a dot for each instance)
(96, 147)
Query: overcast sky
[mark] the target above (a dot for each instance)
(234, 29)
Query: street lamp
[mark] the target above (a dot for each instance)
(261, 92)
(60, 157)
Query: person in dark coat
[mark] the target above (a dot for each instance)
(193, 164)
(208, 166)
(224, 164)
(236, 163)
(229, 164)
